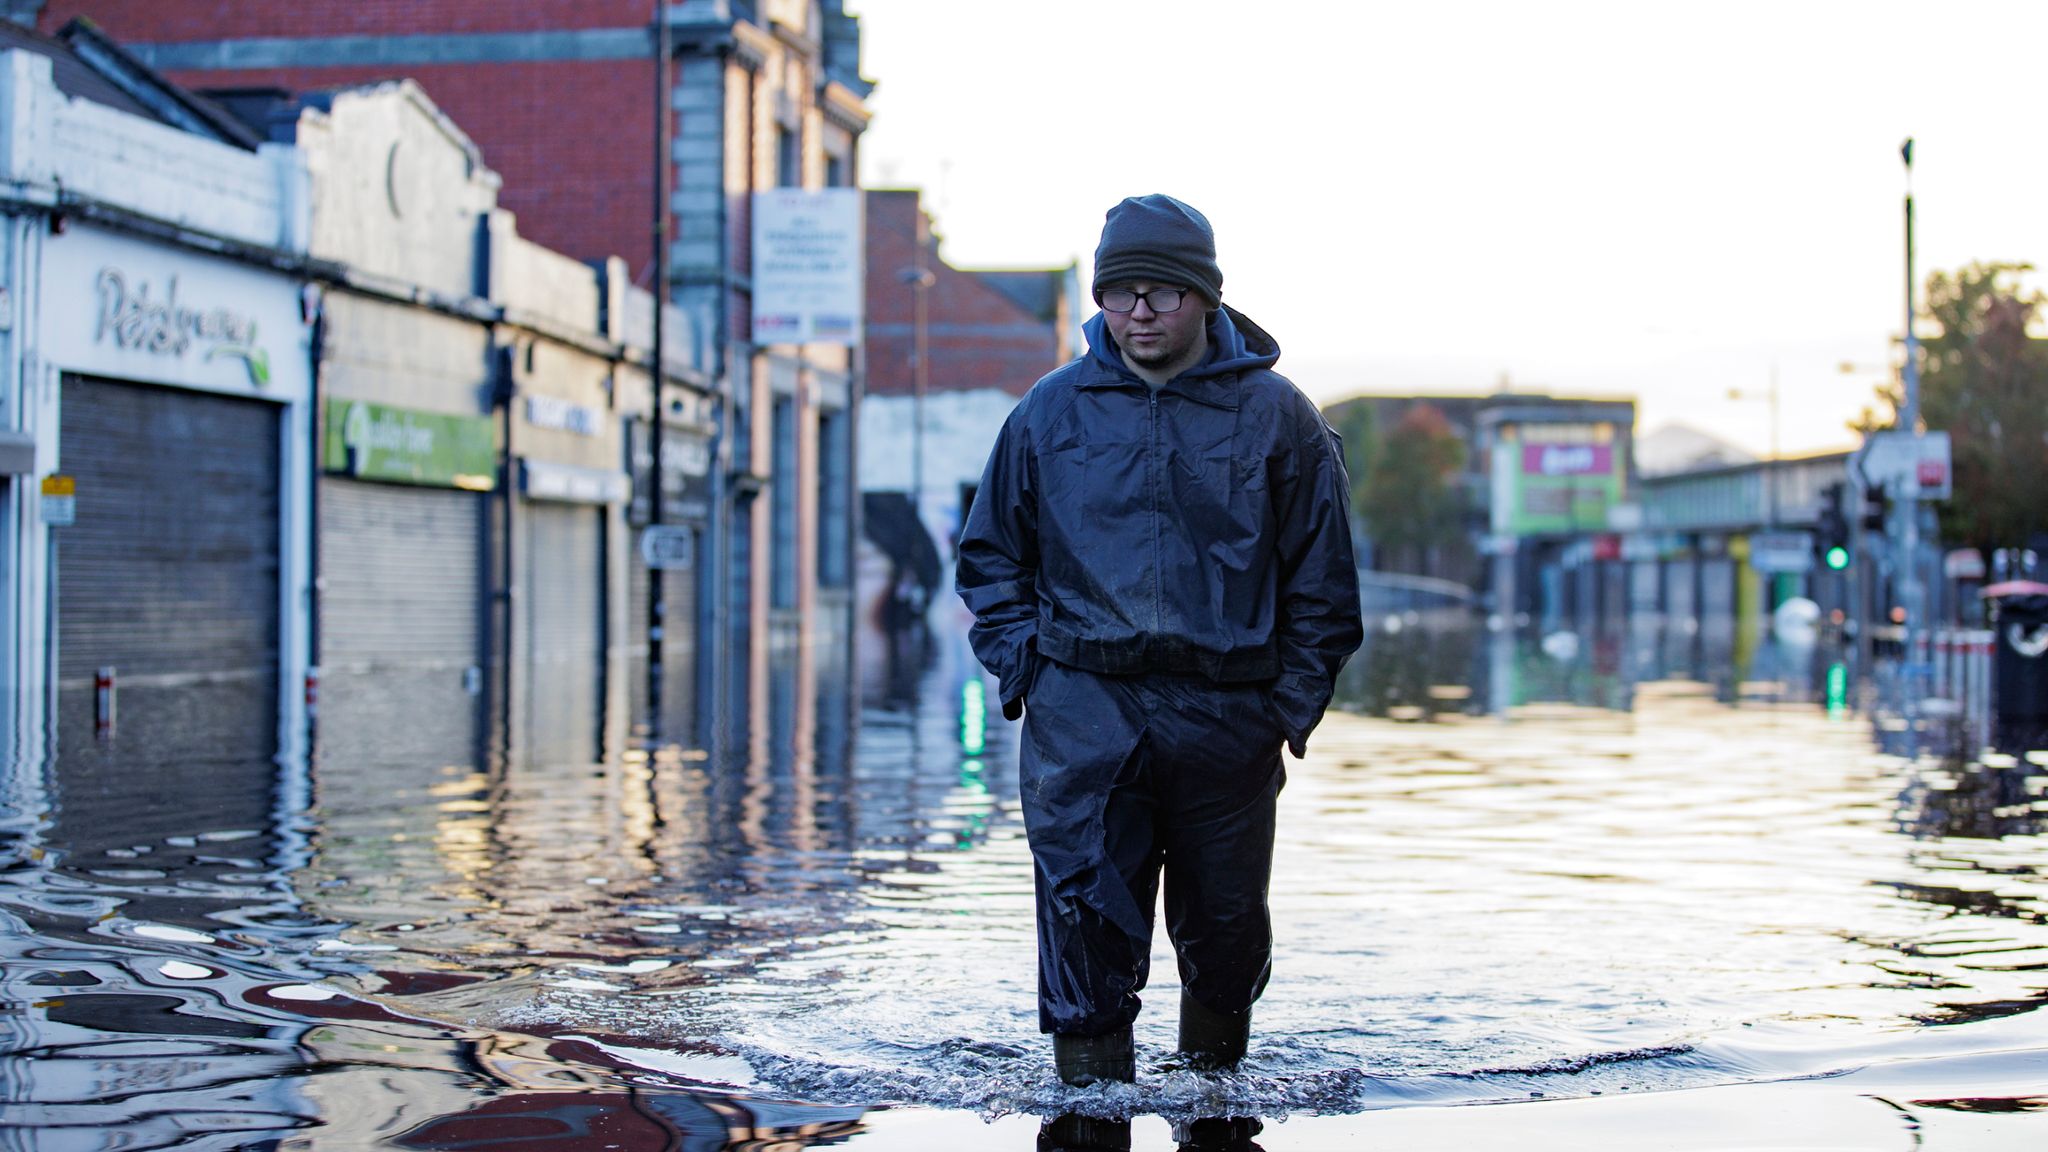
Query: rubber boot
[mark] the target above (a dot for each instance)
(1071, 1133)
(1084, 1060)
(1218, 1134)
(1212, 1041)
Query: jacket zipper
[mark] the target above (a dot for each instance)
(1153, 471)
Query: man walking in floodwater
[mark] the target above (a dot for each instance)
(1159, 565)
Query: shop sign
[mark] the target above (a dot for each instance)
(1641, 547)
(401, 446)
(545, 480)
(1567, 459)
(131, 309)
(131, 316)
(1781, 552)
(685, 473)
(561, 415)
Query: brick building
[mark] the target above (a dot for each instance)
(984, 329)
(985, 337)
(559, 97)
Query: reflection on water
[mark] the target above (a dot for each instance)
(1516, 866)
(1415, 665)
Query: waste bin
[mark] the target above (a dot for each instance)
(2019, 664)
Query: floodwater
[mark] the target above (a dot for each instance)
(1509, 870)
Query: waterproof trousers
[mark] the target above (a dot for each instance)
(1126, 777)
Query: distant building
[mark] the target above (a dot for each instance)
(984, 337)
(1548, 483)
(1561, 485)
(1698, 557)
(561, 97)
(1682, 448)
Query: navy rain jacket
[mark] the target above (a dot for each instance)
(1199, 528)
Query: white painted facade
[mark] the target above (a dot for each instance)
(114, 239)
(959, 430)
(397, 189)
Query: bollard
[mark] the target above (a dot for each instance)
(103, 701)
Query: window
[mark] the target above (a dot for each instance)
(783, 508)
(789, 158)
(835, 496)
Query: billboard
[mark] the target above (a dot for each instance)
(808, 266)
(1557, 479)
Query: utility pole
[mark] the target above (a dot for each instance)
(1769, 472)
(1773, 471)
(657, 578)
(921, 377)
(1906, 502)
(920, 278)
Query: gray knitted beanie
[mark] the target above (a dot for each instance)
(1158, 238)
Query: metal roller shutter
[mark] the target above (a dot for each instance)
(563, 613)
(400, 624)
(170, 577)
(1681, 589)
(636, 652)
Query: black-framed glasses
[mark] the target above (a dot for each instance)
(1161, 300)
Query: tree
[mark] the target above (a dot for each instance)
(1413, 504)
(1984, 380)
(1355, 424)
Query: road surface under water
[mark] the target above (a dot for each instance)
(1509, 872)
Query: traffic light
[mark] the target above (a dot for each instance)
(1831, 530)
(1873, 509)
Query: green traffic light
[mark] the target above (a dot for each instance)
(1837, 558)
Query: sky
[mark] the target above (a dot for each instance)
(1667, 201)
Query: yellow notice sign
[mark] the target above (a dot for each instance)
(60, 500)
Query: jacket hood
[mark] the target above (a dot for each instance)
(1236, 344)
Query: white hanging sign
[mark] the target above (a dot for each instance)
(808, 266)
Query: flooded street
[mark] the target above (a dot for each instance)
(1507, 872)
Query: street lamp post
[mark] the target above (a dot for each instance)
(1907, 502)
(920, 279)
(1770, 471)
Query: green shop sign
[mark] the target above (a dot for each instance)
(401, 446)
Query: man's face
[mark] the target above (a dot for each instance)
(1150, 339)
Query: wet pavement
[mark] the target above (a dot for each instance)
(1513, 869)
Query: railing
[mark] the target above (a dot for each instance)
(1396, 591)
(1955, 665)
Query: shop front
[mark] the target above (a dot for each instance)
(671, 552)
(560, 608)
(169, 548)
(404, 511)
